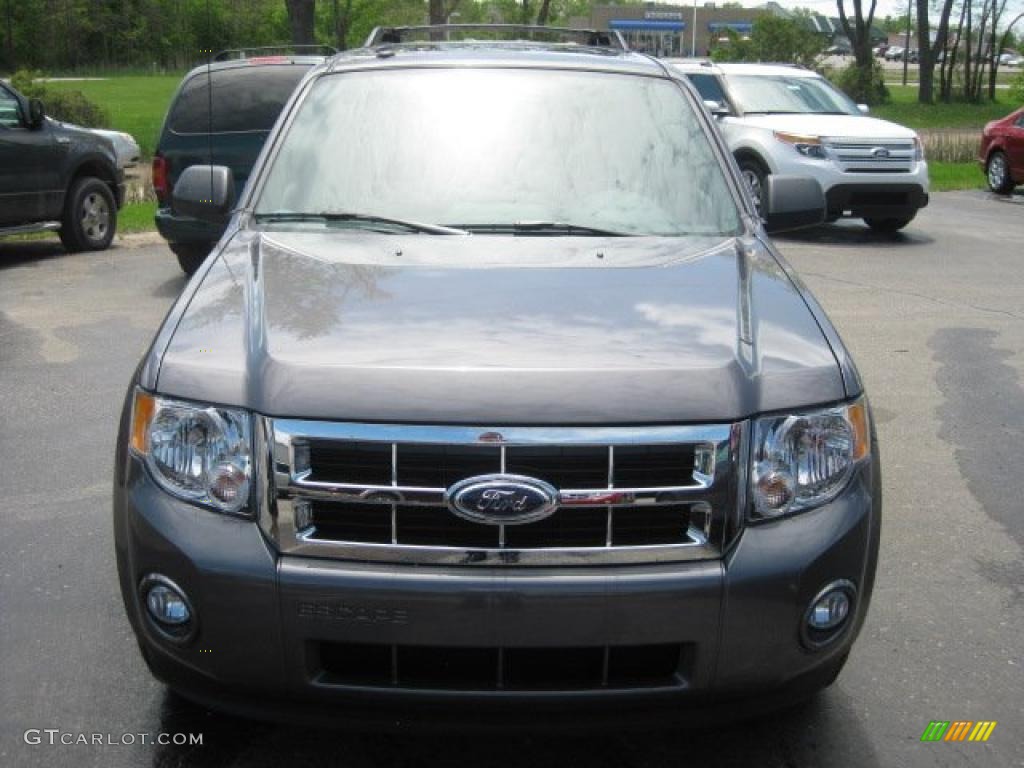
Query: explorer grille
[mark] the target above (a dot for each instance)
(378, 492)
(865, 156)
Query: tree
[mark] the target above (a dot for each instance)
(927, 51)
(774, 38)
(859, 33)
(302, 20)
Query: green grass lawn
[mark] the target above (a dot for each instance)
(136, 103)
(905, 109)
(949, 176)
(136, 217)
(895, 76)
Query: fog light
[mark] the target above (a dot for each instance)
(828, 613)
(168, 607)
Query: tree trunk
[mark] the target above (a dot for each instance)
(300, 21)
(929, 51)
(859, 32)
(438, 12)
(542, 14)
(10, 35)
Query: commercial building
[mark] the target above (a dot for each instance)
(673, 30)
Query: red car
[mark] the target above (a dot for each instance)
(1002, 152)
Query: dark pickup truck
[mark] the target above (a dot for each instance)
(55, 177)
(495, 396)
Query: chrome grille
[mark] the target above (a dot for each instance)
(375, 492)
(882, 156)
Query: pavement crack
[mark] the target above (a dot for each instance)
(914, 294)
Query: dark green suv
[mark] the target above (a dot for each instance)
(225, 127)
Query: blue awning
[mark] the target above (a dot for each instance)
(744, 27)
(647, 24)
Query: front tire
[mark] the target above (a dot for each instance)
(997, 172)
(90, 216)
(191, 256)
(754, 173)
(888, 225)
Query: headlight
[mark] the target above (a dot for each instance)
(803, 460)
(196, 452)
(808, 146)
(918, 149)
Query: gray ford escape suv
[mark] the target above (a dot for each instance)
(495, 394)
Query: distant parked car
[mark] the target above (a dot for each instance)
(56, 177)
(895, 53)
(784, 120)
(880, 50)
(1002, 152)
(249, 93)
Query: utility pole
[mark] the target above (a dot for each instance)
(906, 44)
(693, 32)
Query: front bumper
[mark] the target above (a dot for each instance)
(860, 195)
(262, 618)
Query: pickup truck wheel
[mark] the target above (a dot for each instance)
(754, 173)
(191, 256)
(887, 225)
(90, 216)
(997, 171)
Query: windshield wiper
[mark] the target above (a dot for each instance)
(363, 218)
(542, 228)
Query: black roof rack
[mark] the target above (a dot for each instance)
(233, 54)
(435, 33)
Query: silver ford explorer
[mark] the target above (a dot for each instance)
(496, 399)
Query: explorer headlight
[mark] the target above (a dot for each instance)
(196, 452)
(808, 146)
(803, 460)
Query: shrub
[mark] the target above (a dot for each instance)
(66, 106)
(28, 82)
(1017, 88)
(75, 107)
(863, 85)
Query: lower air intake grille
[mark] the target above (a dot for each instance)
(515, 669)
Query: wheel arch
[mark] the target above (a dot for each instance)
(752, 153)
(100, 167)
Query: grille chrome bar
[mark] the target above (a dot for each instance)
(435, 497)
(708, 489)
(858, 155)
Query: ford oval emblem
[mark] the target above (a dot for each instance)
(880, 152)
(502, 499)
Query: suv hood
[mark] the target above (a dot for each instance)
(496, 330)
(849, 126)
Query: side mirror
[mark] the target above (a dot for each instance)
(792, 202)
(716, 108)
(864, 108)
(204, 192)
(36, 114)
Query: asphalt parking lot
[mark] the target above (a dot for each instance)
(935, 320)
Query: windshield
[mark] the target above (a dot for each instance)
(501, 150)
(763, 94)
